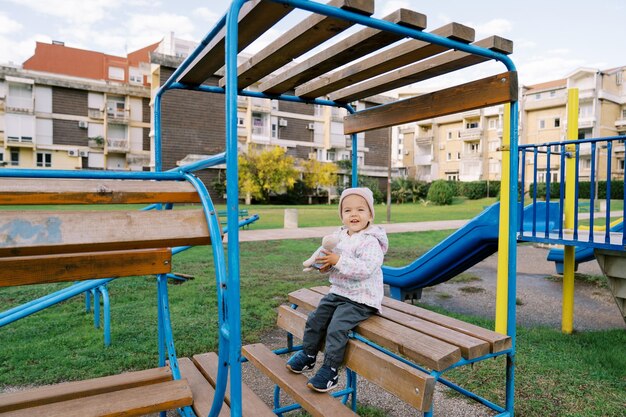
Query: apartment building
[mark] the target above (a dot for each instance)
(466, 147)
(193, 127)
(68, 108)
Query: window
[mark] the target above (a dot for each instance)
(116, 73)
(620, 164)
(1, 159)
(449, 134)
(15, 157)
(557, 122)
(471, 125)
(618, 78)
(458, 155)
(552, 93)
(258, 124)
(585, 163)
(241, 122)
(452, 177)
(542, 124)
(624, 113)
(135, 76)
(44, 159)
(494, 167)
(449, 157)
(330, 155)
(538, 96)
(274, 130)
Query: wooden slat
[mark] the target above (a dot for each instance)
(255, 18)
(26, 270)
(74, 191)
(390, 59)
(252, 405)
(418, 347)
(317, 404)
(41, 233)
(202, 390)
(471, 347)
(498, 342)
(70, 390)
(129, 402)
(303, 37)
(355, 46)
(420, 71)
(497, 89)
(405, 382)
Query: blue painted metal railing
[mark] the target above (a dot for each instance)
(603, 155)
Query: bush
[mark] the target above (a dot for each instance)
(441, 192)
(473, 190)
(584, 190)
(406, 189)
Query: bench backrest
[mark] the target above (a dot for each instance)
(53, 244)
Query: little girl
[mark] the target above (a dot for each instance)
(356, 288)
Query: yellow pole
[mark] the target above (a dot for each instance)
(567, 312)
(503, 232)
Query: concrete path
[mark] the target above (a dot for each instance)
(311, 232)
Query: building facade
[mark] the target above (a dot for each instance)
(466, 147)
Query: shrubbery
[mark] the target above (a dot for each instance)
(584, 190)
(441, 192)
(405, 190)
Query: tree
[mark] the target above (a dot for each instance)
(264, 172)
(318, 174)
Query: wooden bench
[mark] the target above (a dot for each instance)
(430, 340)
(43, 246)
(243, 214)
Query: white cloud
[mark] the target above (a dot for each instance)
(546, 68)
(391, 6)
(498, 27)
(16, 52)
(206, 15)
(8, 25)
(73, 11)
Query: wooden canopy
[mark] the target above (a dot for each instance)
(368, 62)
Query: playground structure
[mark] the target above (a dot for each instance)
(430, 344)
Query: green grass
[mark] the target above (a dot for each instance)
(556, 375)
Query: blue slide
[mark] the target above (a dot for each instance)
(463, 249)
(581, 254)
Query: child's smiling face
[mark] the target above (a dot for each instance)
(355, 213)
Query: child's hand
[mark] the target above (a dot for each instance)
(327, 259)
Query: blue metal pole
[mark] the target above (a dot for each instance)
(106, 305)
(232, 289)
(592, 191)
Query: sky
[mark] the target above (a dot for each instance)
(552, 38)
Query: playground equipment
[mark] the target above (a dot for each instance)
(430, 344)
(463, 249)
(581, 242)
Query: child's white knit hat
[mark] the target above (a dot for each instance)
(364, 192)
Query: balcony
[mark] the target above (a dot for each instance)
(2, 103)
(20, 141)
(423, 159)
(118, 145)
(424, 140)
(473, 134)
(619, 124)
(586, 122)
(138, 159)
(95, 114)
(96, 142)
(20, 104)
(118, 116)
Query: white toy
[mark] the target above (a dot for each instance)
(329, 242)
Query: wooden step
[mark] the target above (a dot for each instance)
(90, 191)
(203, 392)
(26, 233)
(78, 389)
(474, 341)
(317, 404)
(405, 382)
(416, 346)
(128, 402)
(252, 405)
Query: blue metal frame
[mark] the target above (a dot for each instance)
(229, 288)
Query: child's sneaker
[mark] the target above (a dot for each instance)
(301, 362)
(324, 380)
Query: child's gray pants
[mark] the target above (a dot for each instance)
(333, 318)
